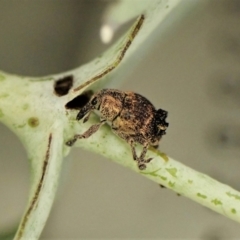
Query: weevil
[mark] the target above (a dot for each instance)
(131, 116)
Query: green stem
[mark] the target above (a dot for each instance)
(172, 174)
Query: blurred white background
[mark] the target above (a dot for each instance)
(193, 73)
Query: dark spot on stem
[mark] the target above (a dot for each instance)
(119, 58)
(33, 122)
(63, 85)
(35, 198)
(80, 101)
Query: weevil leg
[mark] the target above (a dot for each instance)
(132, 145)
(131, 141)
(144, 151)
(86, 134)
(141, 160)
(128, 139)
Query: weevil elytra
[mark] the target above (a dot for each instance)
(130, 115)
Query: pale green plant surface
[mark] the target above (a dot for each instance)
(40, 120)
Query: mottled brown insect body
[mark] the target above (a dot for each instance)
(131, 116)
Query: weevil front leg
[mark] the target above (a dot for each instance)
(86, 134)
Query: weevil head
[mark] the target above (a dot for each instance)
(95, 101)
(160, 118)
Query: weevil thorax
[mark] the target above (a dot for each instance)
(109, 103)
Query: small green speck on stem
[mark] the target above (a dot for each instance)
(216, 202)
(190, 181)
(171, 184)
(163, 178)
(201, 195)
(237, 197)
(233, 210)
(153, 173)
(172, 171)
